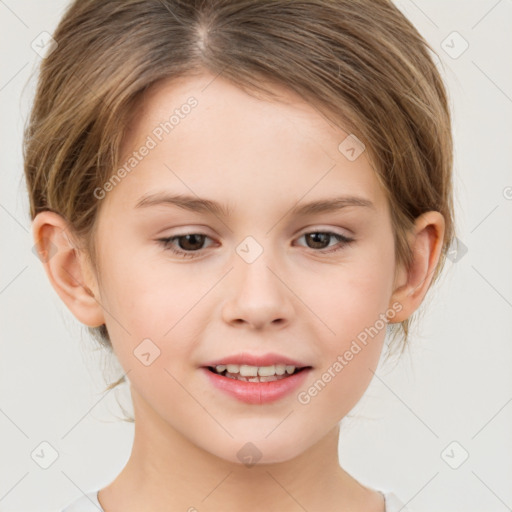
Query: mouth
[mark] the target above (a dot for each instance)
(256, 385)
(256, 379)
(248, 373)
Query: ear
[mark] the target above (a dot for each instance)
(67, 267)
(412, 284)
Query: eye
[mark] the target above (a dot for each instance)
(191, 243)
(318, 239)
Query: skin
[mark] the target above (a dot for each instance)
(294, 299)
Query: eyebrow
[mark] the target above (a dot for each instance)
(202, 205)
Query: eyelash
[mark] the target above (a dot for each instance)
(166, 242)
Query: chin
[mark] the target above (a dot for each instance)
(259, 452)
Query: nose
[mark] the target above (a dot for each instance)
(257, 297)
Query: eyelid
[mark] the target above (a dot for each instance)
(343, 241)
(318, 228)
(314, 228)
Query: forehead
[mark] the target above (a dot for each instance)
(221, 105)
(204, 129)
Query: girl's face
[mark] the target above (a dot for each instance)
(279, 247)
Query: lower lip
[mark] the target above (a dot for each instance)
(257, 392)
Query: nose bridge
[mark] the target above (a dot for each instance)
(256, 295)
(252, 268)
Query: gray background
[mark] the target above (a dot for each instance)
(454, 384)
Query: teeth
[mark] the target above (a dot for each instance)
(246, 370)
(266, 371)
(280, 369)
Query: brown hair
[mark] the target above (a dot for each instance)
(360, 62)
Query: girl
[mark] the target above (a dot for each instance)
(305, 146)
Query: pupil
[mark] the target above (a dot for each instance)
(188, 238)
(319, 238)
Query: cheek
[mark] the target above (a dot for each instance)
(349, 356)
(144, 293)
(352, 296)
(352, 306)
(151, 301)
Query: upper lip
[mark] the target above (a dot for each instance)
(256, 360)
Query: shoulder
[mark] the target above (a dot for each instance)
(86, 503)
(393, 504)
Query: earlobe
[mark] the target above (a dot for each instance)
(426, 245)
(67, 268)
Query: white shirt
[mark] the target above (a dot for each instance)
(89, 503)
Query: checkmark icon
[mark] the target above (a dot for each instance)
(454, 45)
(44, 455)
(351, 147)
(249, 454)
(146, 352)
(456, 251)
(454, 455)
(249, 249)
(44, 44)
